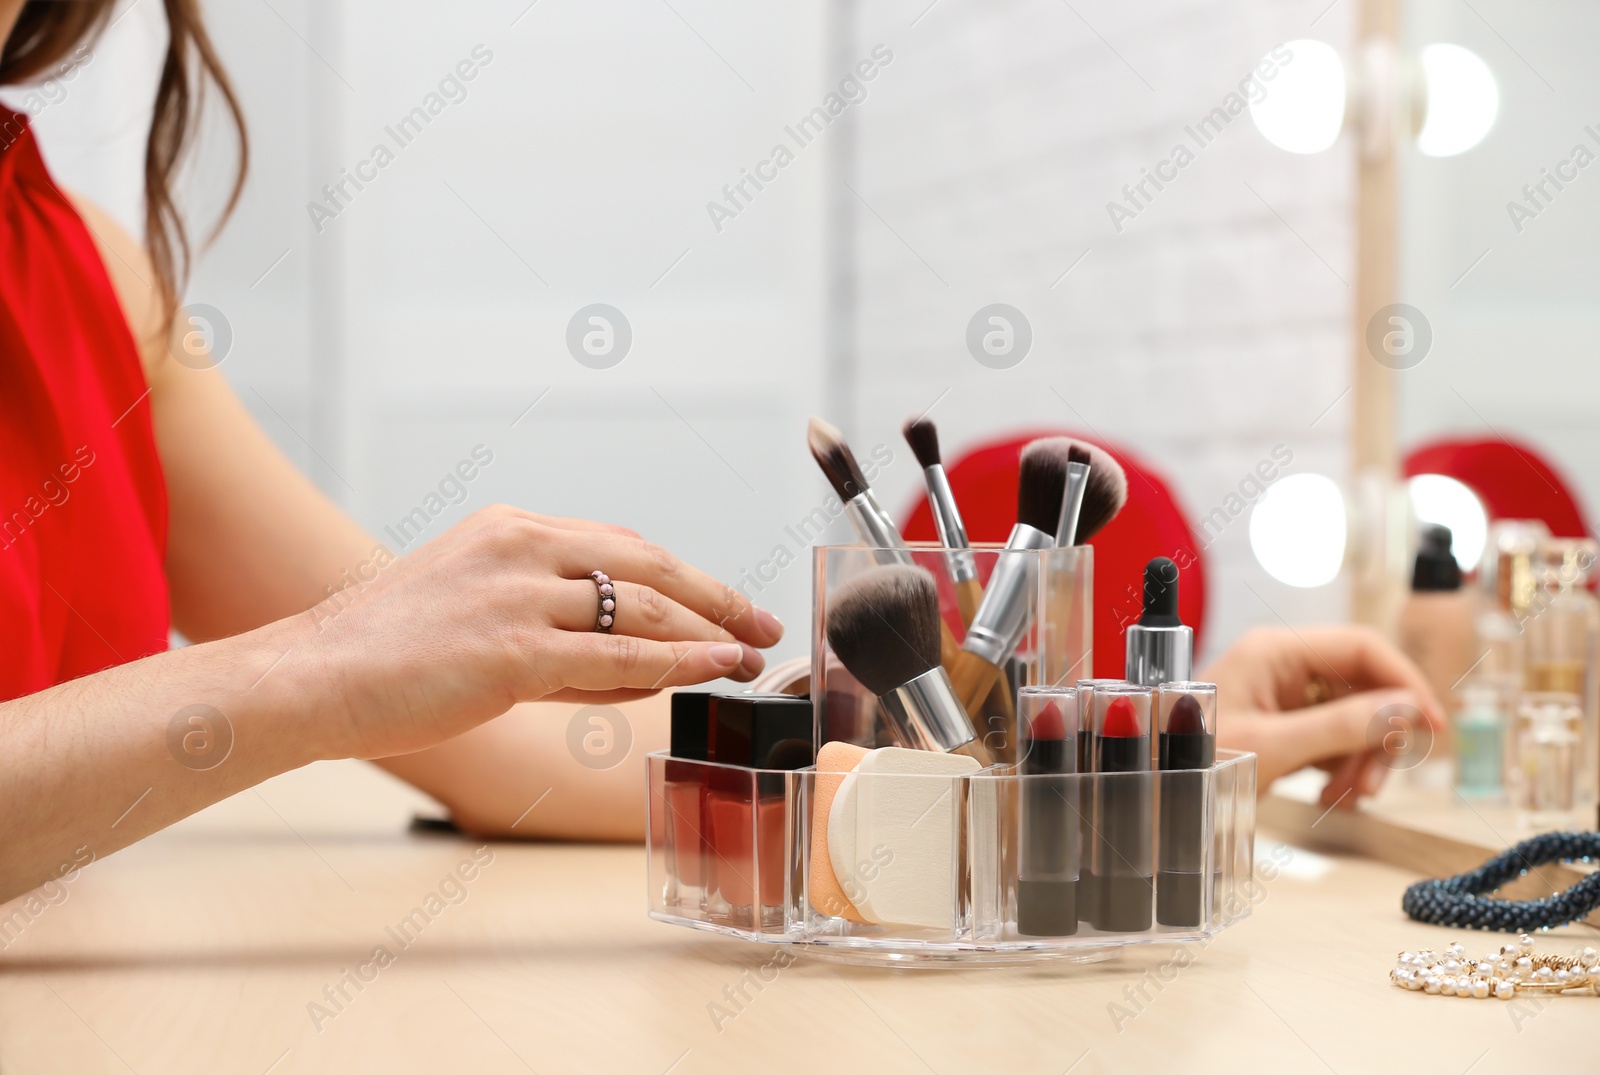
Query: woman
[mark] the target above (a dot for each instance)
(134, 484)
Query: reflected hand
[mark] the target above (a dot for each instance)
(1268, 683)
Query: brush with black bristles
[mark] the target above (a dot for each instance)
(884, 626)
(1003, 615)
(1097, 488)
(872, 524)
(874, 528)
(923, 437)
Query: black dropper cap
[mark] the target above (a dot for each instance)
(1436, 570)
(1160, 594)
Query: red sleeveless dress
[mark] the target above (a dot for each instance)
(83, 507)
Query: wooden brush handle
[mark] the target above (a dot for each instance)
(969, 595)
(972, 677)
(949, 653)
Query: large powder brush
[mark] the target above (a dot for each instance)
(1097, 488)
(1003, 616)
(885, 628)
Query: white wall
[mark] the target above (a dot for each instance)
(1514, 337)
(1203, 334)
(416, 325)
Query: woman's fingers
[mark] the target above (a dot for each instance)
(629, 559)
(1376, 722)
(606, 662)
(637, 610)
(1365, 660)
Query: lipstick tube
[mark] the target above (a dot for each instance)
(1123, 816)
(1186, 746)
(1088, 891)
(1048, 848)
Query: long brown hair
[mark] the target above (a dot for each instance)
(47, 31)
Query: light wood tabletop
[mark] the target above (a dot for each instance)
(216, 946)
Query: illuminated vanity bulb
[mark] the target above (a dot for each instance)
(1463, 100)
(1303, 108)
(1447, 502)
(1297, 529)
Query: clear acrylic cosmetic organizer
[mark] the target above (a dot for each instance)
(731, 849)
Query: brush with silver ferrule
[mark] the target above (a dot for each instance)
(923, 437)
(1097, 488)
(1003, 615)
(883, 625)
(872, 524)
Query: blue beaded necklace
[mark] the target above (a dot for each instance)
(1463, 901)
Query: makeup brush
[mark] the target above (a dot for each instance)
(872, 524)
(1097, 488)
(923, 437)
(1003, 614)
(884, 626)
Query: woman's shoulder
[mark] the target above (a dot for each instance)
(133, 277)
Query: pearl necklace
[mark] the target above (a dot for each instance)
(1515, 969)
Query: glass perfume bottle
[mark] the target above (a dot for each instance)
(1562, 630)
(1505, 591)
(1545, 766)
(1480, 735)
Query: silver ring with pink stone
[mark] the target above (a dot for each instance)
(607, 613)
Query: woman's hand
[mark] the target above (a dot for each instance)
(501, 609)
(1268, 679)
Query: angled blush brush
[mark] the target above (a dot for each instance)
(923, 436)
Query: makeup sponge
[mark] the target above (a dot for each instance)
(906, 806)
(834, 760)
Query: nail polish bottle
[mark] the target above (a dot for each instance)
(688, 852)
(747, 805)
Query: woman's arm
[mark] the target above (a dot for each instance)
(94, 764)
(252, 541)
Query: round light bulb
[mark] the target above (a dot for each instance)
(1463, 100)
(1297, 530)
(1302, 110)
(1446, 502)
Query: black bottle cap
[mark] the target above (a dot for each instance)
(761, 731)
(1436, 570)
(1160, 594)
(691, 725)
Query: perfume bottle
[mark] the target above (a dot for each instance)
(1480, 735)
(1435, 626)
(1545, 766)
(1506, 587)
(1562, 629)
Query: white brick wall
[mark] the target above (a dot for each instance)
(1201, 336)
